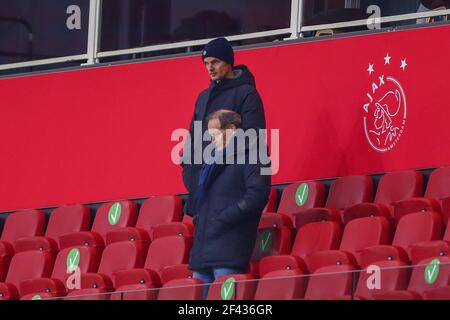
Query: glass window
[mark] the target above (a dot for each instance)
(32, 30)
(137, 23)
(332, 11)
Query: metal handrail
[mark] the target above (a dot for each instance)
(296, 29)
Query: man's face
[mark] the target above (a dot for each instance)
(217, 69)
(220, 137)
(217, 134)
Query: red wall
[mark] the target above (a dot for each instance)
(104, 133)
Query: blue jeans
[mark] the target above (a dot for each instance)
(210, 274)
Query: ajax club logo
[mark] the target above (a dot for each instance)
(386, 107)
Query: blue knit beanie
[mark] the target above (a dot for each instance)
(219, 48)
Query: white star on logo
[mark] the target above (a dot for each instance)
(387, 59)
(370, 69)
(404, 64)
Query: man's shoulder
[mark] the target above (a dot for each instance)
(203, 93)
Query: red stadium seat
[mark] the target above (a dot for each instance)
(163, 213)
(412, 229)
(300, 196)
(178, 271)
(331, 283)
(430, 274)
(22, 224)
(85, 258)
(437, 294)
(163, 253)
(233, 287)
(282, 285)
(173, 229)
(358, 235)
(412, 205)
(436, 248)
(364, 210)
(158, 210)
(110, 216)
(27, 223)
(94, 287)
(392, 188)
(397, 186)
(437, 193)
(344, 192)
(63, 220)
(273, 238)
(118, 256)
(25, 266)
(394, 275)
(310, 238)
(182, 289)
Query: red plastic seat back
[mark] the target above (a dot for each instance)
(20, 224)
(233, 287)
(85, 258)
(365, 232)
(439, 184)
(394, 275)
(29, 265)
(437, 294)
(282, 285)
(182, 289)
(417, 227)
(114, 215)
(348, 191)
(398, 186)
(432, 273)
(167, 251)
(315, 237)
(159, 210)
(330, 283)
(122, 255)
(300, 196)
(68, 219)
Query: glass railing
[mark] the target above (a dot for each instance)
(339, 282)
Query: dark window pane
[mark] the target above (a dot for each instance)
(135, 23)
(331, 11)
(31, 30)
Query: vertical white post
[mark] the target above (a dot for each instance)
(296, 18)
(94, 32)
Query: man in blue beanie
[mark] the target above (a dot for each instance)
(231, 88)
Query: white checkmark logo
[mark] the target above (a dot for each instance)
(301, 197)
(432, 271)
(227, 291)
(430, 274)
(114, 214)
(266, 241)
(72, 261)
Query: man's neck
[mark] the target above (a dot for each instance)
(229, 75)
